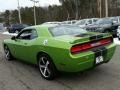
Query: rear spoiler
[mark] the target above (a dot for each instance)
(96, 37)
(91, 38)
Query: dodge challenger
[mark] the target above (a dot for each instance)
(64, 48)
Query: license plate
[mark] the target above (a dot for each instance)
(99, 59)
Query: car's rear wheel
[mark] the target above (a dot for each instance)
(46, 67)
(8, 55)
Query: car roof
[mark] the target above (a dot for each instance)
(48, 26)
(43, 30)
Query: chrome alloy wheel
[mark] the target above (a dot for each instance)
(7, 53)
(44, 67)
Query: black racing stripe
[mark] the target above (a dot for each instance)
(92, 38)
(97, 37)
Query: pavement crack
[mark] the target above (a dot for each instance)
(70, 88)
(24, 84)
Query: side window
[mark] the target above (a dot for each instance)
(25, 35)
(28, 34)
(33, 34)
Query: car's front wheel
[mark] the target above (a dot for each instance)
(46, 67)
(8, 55)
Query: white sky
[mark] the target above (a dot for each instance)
(12, 4)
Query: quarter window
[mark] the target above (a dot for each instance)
(33, 34)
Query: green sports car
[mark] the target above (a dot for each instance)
(60, 48)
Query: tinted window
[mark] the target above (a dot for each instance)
(66, 30)
(33, 34)
(28, 34)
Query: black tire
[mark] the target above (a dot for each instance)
(46, 67)
(8, 54)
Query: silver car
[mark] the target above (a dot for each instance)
(84, 22)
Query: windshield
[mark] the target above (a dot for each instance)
(66, 30)
(81, 22)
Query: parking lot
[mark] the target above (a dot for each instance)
(16, 75)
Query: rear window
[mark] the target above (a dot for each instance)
(66, 30)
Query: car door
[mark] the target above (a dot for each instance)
(25, 44)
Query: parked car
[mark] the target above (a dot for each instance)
(51, 23)
(16, 28)
(84, 22)
(115, 20)
(60, 48)
(104, 25)
(2, 27)
(118, 32)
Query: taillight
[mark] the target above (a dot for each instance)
(106, 41)
(89, 45)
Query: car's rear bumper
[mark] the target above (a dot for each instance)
(85, 60)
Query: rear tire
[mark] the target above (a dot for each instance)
(46, 67)
(8, 54)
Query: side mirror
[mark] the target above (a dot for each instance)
(13, 38)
